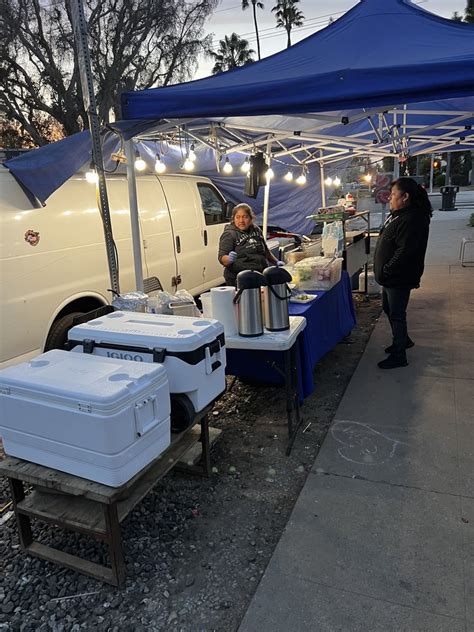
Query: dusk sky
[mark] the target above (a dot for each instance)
(229, 18)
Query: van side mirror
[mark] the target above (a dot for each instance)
(229, 207)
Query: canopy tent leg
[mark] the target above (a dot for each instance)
(266, 193)
(134, 222)
(323, 186)
(431, 172)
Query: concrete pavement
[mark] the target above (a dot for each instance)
(381, 538)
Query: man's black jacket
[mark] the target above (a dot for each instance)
(399, 257)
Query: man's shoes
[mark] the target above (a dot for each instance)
(392, 362)
(409, 345)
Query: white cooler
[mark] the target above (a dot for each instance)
(104, 420)
(191, 349)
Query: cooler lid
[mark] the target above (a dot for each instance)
(275, 275)
(72, 378)
(173, 333)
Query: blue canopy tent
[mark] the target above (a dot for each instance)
(349, 89)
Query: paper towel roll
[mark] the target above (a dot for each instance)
(206, 303)
(223, 308)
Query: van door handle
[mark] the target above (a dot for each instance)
(205, 237)
(178, 244)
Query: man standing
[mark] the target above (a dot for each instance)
(399, 261)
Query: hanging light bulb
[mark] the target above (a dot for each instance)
(368, 177)
(328, 181)
(192, 153)
(188, 164)
(140, 164)
(92, 176)
(227, 168)
(288, 175)
(160, 166)
(301, 179)
(336, 181)
(245, 167)
(270, 173)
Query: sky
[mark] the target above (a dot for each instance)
(229, 17)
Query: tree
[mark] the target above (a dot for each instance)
(134, 44)
(469, 13)
(233, 52)
(255, 5)
(287, 16)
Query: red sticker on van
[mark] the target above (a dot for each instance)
(32, 237)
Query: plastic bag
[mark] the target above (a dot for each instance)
(333, 239)
(180, 304)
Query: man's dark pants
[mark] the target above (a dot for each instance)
(394, 303)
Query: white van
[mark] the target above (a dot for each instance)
(53, 263)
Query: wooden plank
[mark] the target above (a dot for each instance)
(72, 561)
(154, 474)
(78, 514)
(194, 454)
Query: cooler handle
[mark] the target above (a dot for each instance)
(212, 365)
(146, 415)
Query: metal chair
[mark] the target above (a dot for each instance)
(464, 242)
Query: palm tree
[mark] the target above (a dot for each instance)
(255, 5)
(469, 13)
(288, 15)
(233, 52)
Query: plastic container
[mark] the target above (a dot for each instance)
(319, 273)
(372, 286)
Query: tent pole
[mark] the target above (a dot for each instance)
(323, 186)
(266, 194)
(133, 202)
(431, 172)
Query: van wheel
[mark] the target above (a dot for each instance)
(57, 336)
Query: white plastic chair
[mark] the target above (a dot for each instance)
(464, 242)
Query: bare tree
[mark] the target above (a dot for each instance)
(134, 44)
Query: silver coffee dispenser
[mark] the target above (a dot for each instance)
(276, 296)
(249, 302)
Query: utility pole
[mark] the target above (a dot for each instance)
(85, 71)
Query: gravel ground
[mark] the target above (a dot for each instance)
(195, 548)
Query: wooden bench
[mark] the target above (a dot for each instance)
(91, 508)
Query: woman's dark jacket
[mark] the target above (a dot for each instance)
(399, 257)
(250, 247)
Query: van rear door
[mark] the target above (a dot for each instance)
(187, 225)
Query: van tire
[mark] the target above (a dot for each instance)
(57, 336)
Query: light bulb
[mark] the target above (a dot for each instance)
(328, 181)
(160, 166)
(288, 176)
(368, 177)
(270, 173)
(92, 176)
(245, 167)
(192, 154)
(227, 167)
(337, 181)
(188, 164)
(301, 179)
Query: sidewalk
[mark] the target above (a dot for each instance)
(381, 538)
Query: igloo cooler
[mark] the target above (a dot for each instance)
(191, 349)
(101, 419)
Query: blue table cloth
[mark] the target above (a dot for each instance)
(329, 318)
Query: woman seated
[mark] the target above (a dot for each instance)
(242, 245)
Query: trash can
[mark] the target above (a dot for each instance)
(448, 199)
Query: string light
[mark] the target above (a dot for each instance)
(160, 166)
(245, 167)
(192, 153)
(368, 177)
(270, 173)
(188, 164)
(336, 181)
(140, 164)
(301, 179)
(328, 181)
(92, 176)
(288, 176)
(227, 166)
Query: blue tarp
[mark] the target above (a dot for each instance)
(378, 53)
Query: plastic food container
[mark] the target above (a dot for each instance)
(319, 273)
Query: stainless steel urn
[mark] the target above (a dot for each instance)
(249, 302)
(276, 296)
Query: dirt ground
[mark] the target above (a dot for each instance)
(195, 548)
